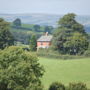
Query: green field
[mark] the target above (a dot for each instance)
(65, 71)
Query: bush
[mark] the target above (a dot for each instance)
(77, 86)
(72, 86)
(87, 53)
(57, 86)
(54, 54)
(19, 70)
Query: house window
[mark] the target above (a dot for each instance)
(41, 43)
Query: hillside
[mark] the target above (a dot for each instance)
(44, 19)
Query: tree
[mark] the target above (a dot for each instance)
(6, 38)
(37, 28)
(68, 21)
(17, 22)
(78, 43)
(19, 70)
(63, 37)
(33, 43)
(48, 29)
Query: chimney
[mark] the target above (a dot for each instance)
(46, 34)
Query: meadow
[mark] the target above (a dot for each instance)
(65, 71)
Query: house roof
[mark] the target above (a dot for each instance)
(45, 38)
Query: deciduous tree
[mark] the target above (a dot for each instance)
(37, 28)
(19, 70)
(70, 35)
(6, 38)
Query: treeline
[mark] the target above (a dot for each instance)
(17, 24)
(23, 32)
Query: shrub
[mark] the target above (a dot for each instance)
(54, 54)
(77, 86)
(57, 86)
(87, 53)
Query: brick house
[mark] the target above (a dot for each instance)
(44, 41)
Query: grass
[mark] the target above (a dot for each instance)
(65, 71)
(27, 25)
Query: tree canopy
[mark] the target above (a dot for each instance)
(37, 28)
(17, 22)
(70, 36)
(48, 29)
(19, 70)
(6, 38)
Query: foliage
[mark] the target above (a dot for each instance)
(69, 36)
(87, 52)
(54, 54)
(48, 29)
(89, 37)
(19, 70)
(78, 43)
(77, 86)
(33, 43)
(6, 38)
(57, 86)
(37, 28)
(68, 21)
(23, 34)
(72, 86)
(17, 22)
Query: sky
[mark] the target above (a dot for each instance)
(80, 7)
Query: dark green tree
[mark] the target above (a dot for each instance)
(68, 21)
(48, 29)
(17, 22)
(63, 37)
(57, 86)
(77, 43)
(6, 38)
(33, 43)
(37, 28)
(19, 70)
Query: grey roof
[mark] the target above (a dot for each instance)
(45, 38)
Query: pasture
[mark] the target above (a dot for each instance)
(65, 71)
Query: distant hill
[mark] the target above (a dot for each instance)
(87, 28)
(44, 19)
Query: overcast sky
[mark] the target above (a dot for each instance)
(80, 7)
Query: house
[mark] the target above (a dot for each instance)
(44, 41)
